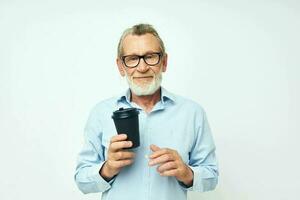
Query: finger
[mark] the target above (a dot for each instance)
(121, 163)
(119, 137)
(154, 147)
(116, 146)
(159, 152)
(167, 166)
(123, 155)
(161, 159)
(172, 172)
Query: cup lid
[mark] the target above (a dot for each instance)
(125, 113)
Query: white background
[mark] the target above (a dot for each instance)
(238, 59)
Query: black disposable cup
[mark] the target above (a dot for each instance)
(127, 121)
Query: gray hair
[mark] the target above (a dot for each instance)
(140, 29)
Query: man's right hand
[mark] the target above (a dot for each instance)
(117, 157)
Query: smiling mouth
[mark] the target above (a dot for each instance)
(143, 77)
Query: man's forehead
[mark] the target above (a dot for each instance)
(140, 43)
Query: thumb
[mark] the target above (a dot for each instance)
(154, 147)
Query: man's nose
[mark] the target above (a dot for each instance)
(142, 66)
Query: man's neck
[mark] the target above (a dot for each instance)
(147, 102)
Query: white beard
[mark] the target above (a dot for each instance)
(147, 89)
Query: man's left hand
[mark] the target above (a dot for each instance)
(170, 164)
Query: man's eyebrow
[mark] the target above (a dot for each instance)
(147, 52)
(152, 51)
(155, 51)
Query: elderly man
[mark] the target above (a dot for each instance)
(176, 152)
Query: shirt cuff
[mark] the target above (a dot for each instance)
(101, 183)
(203, 180)
(184, 186)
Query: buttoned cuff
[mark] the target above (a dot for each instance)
(202, 181)
(101, 183)
(184, 186)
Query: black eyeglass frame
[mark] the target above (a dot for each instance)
(143, 56)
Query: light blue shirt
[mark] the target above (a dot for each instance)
(174, 122)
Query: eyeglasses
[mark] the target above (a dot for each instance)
(151, 59)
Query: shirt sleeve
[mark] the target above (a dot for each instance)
(91, 158)
(202, 159)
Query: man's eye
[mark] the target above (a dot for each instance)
(150, 56)
(132, 58)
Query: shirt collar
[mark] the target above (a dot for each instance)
(165, 96)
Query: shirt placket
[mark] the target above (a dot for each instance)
(146, 172)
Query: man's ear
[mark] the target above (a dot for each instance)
(120, 67)
(164, 62)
